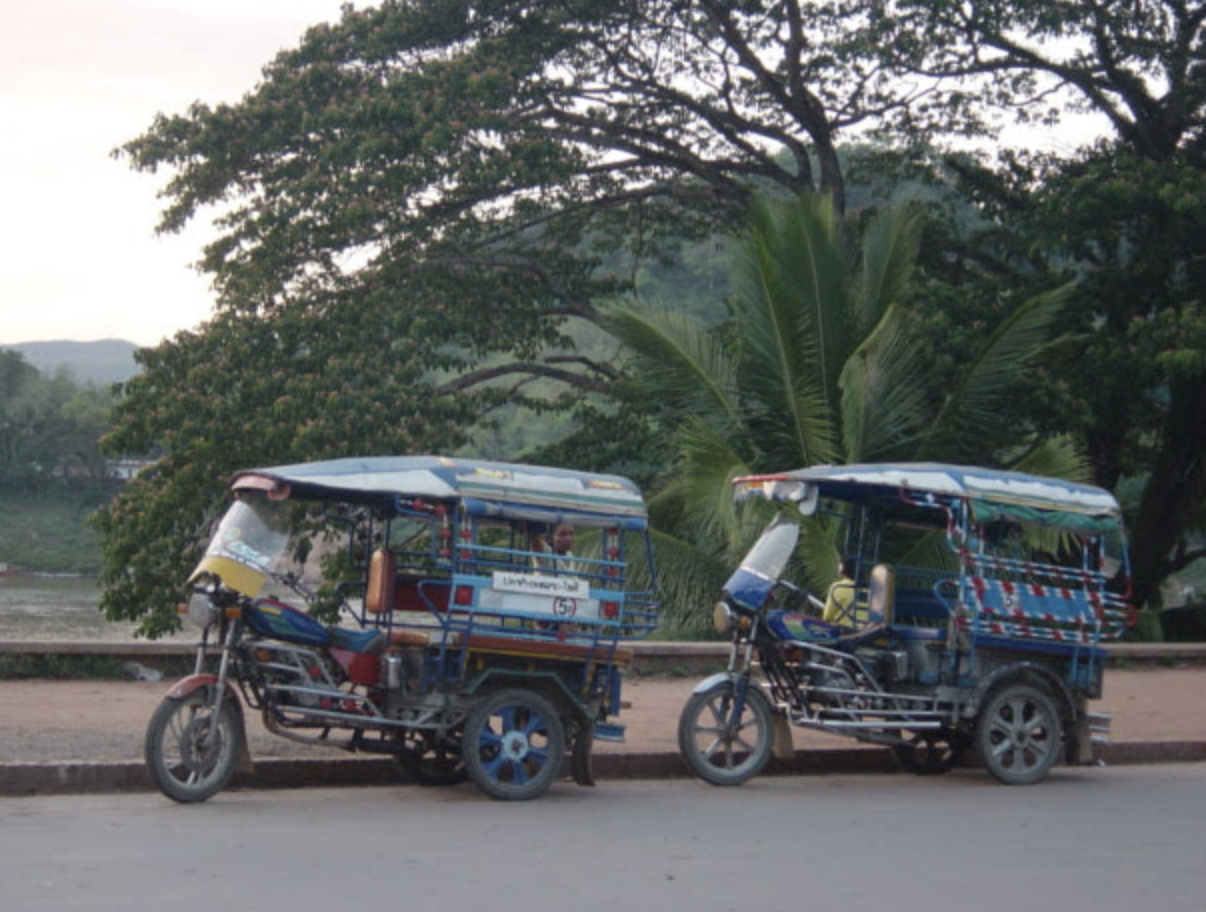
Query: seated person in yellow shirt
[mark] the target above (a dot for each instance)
(839, 603)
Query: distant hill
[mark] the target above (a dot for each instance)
(104, 361)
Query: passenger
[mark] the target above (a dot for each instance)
(839, 603)
(560, 548)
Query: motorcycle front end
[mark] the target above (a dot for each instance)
(726, 728)
(196, 739)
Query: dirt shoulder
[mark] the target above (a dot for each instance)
(97, 721)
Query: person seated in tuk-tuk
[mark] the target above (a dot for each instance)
(558, 545)
(841, 600)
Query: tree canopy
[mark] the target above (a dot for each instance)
(446, 188)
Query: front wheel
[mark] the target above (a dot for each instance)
(718, 748)
(190, 754)
(1018, 734)
(513, 745)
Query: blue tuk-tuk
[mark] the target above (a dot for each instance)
(469, 644)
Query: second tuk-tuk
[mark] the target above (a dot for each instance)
(981, 600)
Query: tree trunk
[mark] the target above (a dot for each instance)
(1174, 491)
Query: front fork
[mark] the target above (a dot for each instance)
(741, 673)
(221, 689)
(232, 638)
(741, 655)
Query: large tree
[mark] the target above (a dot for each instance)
(485, 158)
(1127, 216)
(462, 180)
(247, 392)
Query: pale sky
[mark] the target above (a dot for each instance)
(79, 258)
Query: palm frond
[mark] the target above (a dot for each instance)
(790, 306)
(970, 417)
(1057, 457)
(677, 359)
(889, 254)
(689, 581)
(710, 464)
(884, 392)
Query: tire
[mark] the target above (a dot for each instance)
(191, 756)
(718, 752)
(1018, 734)
(429, 761)
(514, 744)
(932, 753)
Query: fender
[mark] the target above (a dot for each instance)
(712, 681)
(1022, 669)
(553, 687)
(186, 686)
(725, 677)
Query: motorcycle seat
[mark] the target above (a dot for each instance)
(370, 642)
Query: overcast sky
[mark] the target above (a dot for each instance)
(78, 255)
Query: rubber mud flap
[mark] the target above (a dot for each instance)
(581, 768)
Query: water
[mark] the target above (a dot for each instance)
(61, 610)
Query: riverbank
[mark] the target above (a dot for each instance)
(49, 534)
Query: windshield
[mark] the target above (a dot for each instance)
(253, 535)
(248, 542)
(771, 552)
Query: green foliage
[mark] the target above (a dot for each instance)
(244, 392)
(1129, 378)
(50, 426)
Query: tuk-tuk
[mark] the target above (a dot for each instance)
(467, 644)
(974, 616)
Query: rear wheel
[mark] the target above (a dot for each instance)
(718, 748)
(513, 745)
(932, 753)
(190, 752)
(430, 760)
(1019, 734)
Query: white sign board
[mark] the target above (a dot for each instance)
(565, 597)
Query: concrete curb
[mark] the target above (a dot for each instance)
(76, 778)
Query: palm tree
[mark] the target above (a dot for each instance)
(817, 364)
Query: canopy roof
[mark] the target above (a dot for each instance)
(493, 486)
(993, 493)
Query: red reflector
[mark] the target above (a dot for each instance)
(611, 609)
(464, 595)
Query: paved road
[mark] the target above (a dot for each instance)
(1112, 839)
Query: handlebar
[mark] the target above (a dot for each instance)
(796, 590)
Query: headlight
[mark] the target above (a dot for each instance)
(722, 617)
(200, 611)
